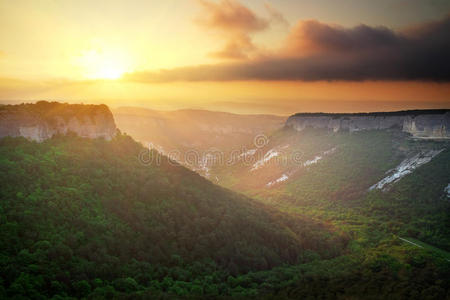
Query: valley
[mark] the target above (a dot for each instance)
(368, 183)
(281, 214)
(224, 149)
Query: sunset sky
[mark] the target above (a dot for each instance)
(251, 56)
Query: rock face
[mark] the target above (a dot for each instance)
(419, 123)
(406, 167)
(44, 119)
(447, 190)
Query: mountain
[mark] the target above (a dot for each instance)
(322, 162)
(419, 123)
(43, 120)
(83, 216)
(386, 176)
(382, 185)
(194, 137)
(315, 213)
(289, 153)
(193, 129)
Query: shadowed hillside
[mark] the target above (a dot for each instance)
(81, 213)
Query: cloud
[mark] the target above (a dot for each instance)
(275, 15)
(230, 15)
(312, 37)
(236, 48)
(235, 23)
(316, 51)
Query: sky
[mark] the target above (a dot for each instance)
(244, 56)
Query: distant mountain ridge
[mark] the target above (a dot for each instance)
(413, 112)
(42, 120)
(188, 128)
(419, 123)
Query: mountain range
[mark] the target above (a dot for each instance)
(282, 208)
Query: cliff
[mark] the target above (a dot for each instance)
(44, 119)
(419, 123)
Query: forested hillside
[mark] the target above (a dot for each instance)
(86, 217)
(339, 183)
(103, 219)
(334, 176)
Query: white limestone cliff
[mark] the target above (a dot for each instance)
(42, 120)
(419, 123)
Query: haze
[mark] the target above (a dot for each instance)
(277, 57)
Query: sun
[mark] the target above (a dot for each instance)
(108, 70)
(97, 64)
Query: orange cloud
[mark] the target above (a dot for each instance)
(235, 22)
(316, 51)
(236, 48)
(230, 15)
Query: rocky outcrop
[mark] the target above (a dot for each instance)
(44, 119)
(406, 167)
(419, 123)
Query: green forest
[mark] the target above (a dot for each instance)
(86, 218)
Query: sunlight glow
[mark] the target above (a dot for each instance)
(98, 64)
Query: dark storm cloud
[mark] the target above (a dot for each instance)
(313, 37)
(316, 51)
